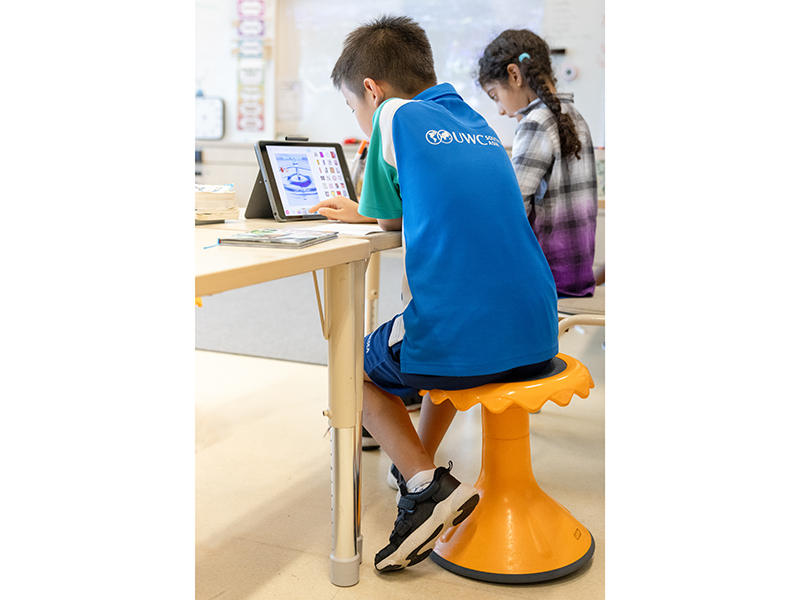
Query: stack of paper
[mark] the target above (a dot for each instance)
(214, 203)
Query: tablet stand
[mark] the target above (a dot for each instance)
(258, 206)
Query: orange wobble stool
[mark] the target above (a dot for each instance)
(517, 533)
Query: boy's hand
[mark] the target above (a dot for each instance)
(340, 208)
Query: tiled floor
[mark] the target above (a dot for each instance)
(263, 525)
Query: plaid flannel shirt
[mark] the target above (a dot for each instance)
(560, 195)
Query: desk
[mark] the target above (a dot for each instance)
(377, 242)
(222, 268)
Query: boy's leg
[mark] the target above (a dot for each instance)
(433, 500)
(424, 513)
(434, 421)
(387, 420)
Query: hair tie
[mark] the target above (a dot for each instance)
(523, 56)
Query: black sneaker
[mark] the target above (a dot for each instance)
(423, 517)
(367, 441)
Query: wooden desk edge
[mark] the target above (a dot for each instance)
(216, 282)
(384, 241)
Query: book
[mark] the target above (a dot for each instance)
(214, 203)
(278, 238)
(214, 197)
(216, 216)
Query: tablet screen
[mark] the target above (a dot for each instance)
(303, 174)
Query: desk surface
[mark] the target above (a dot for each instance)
(222, 268)
(378, 241)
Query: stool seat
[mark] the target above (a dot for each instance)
(565, 378)
(517, 533)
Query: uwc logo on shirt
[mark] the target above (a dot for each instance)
(446, 137)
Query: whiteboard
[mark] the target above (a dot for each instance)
(313, 32)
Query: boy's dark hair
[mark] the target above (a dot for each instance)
(537, 70)
(391, 49)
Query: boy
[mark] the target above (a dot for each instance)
(480, 302)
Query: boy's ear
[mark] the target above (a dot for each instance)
(375, 93)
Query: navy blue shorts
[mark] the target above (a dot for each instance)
(382, 365)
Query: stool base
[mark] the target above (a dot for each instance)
(514, 577)
(517, 533)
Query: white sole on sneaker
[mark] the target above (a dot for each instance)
(449, 512)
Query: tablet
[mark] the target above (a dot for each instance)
(295, 176)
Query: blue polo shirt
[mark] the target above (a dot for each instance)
(480, 296)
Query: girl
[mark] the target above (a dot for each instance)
(552, 154)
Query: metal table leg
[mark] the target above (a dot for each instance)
(344, 316)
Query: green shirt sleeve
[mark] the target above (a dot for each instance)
(380, 191)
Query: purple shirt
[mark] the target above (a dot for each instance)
(560, 194)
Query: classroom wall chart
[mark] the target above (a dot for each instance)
(251, 66)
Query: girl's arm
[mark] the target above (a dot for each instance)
(532, 156)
